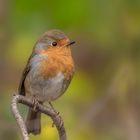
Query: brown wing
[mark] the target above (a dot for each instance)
(21, 89)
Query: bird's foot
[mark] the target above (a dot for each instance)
(36, 103)
(57, 116)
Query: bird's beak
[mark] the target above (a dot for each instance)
(71, 43)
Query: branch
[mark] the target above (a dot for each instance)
(48, 111)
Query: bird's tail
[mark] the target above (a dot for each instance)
(33, 122)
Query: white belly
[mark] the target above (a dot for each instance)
(45, 90)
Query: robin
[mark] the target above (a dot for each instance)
(47, 74)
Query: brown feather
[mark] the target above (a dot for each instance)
(33, 122)
(21, 88)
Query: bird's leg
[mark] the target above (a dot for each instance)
(57, 115)
(53, 108)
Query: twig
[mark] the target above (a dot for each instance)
(18, 118)
(51, 113)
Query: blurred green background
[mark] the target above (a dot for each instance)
(103, 100)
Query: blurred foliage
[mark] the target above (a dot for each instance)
(103, 99)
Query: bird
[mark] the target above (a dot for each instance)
(47, 74)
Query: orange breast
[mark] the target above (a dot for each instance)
(59, 60)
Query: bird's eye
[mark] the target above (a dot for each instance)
(54, 43)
